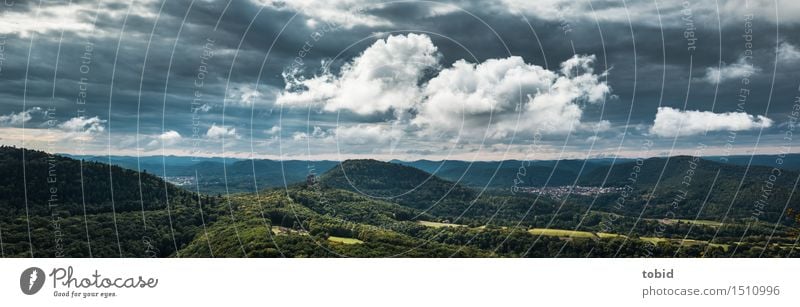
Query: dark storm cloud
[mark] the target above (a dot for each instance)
(240, 33)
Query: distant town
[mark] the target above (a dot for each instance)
(180, 181)
(561, 191)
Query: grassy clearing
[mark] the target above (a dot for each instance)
(438, 225)
(686, 221)
(493, 227)
(278, 230)
(654, 240)
(561, 233)
(606, 235)
(345, 240)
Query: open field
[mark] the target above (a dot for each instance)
(606, 235)
(565, 233)
(345, 240)
(561, 233)
(439, 225)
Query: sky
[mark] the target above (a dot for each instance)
(341, 79)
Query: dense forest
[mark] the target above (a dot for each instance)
(55, 206)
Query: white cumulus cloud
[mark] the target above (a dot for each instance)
(317, 133)
(167, 138)
(672, 122)
(497, 96)
(516, 96)
(170, 137)
(84, 124)
(16, 119)
(738, 70)
(384, 77)
(275, 130)
(243, 96)
(788, 52)
(219, 132)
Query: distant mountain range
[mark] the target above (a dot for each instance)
(212, 173)
(218, 175)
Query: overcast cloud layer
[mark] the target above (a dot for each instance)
(471, 80)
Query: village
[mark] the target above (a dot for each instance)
(561, 191)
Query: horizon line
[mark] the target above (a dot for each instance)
(201, 158)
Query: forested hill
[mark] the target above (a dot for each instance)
(77, 183)
(378, 178)
(502, 174)
(55, 206)
(653, 170)
(405, 185)
(721, 190)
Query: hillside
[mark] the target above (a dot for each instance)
(791, 161)
(695, 177)
(502, 174)
(402, 184)
(303, 223)
(214, 173)
(80, 209)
